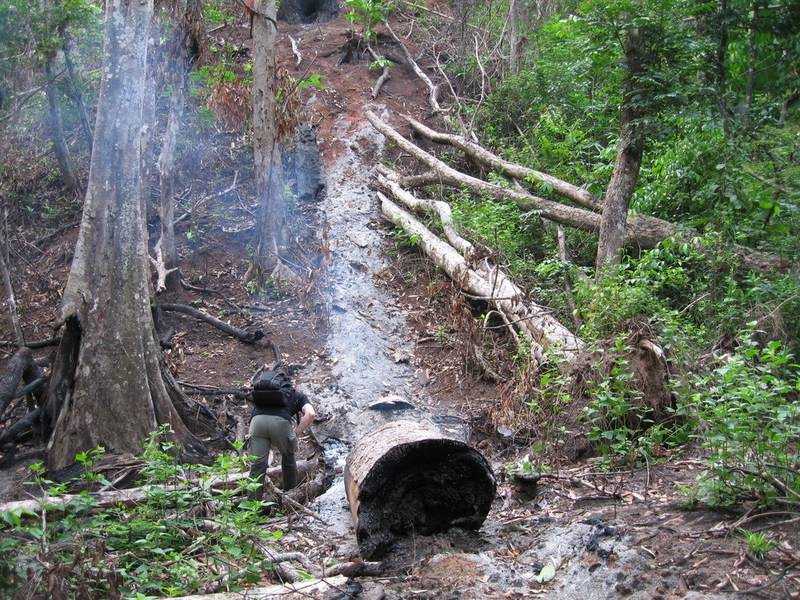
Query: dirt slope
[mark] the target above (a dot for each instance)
(608, 535)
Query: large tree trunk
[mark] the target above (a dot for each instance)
(107, 387)
(178, 56)
(628, 161)
(406, 477)
(266, 147)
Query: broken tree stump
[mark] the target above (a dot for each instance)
(409, 477)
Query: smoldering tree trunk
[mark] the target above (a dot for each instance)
(629, 159)
(407, 477)
(106, 386)
(178, 64)
(307, 11)
(266, 149)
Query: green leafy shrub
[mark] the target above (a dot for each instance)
(750, 417)
(183, 535)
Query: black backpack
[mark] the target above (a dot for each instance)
(271, 390)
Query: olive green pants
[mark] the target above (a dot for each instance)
(269, 431)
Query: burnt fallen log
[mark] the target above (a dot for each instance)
(408, 477)
(248, 337)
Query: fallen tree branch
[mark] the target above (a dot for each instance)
(642, 231)
(247, 337)
(302, 590)
(534, 323)
(491, 161)
(292, 502)
(432, 89)
(23, 367)
(135, 496)
(13, 432)
(199, 204)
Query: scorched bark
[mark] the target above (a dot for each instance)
(407, 477)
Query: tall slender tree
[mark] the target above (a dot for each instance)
(266, 147)
(629, 157)
(109, 386)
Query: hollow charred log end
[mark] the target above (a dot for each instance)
(422, 483)
(307, 11)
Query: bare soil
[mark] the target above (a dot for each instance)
(608, 535)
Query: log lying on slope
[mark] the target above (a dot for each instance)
(490, 160)
(407, 477)
(642, 231)
(535, 323)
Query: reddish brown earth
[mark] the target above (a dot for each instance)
(609, 535)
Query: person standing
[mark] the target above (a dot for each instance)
(276, 404)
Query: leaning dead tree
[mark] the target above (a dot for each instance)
(407, 477)
(642, 231)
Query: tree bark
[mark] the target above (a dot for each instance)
(107, 387)
(179, 63)
(406, 477)
(20, 367)
(55, 126)
(266, 147)
(628, 161)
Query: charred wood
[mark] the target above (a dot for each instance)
(408, 477)
(21, 367)
(248, 337)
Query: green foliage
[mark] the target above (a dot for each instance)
(503, 227)
(758, 544)
(751, 425)
(182, 535)
(217, 14)
(367, 13)
(615, 415)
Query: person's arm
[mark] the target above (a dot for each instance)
(308, 414)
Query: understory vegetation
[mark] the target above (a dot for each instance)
(721, 161)
(184, 535)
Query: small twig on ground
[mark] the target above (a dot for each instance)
(293, 503)
(769, 584)
(296, 52)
